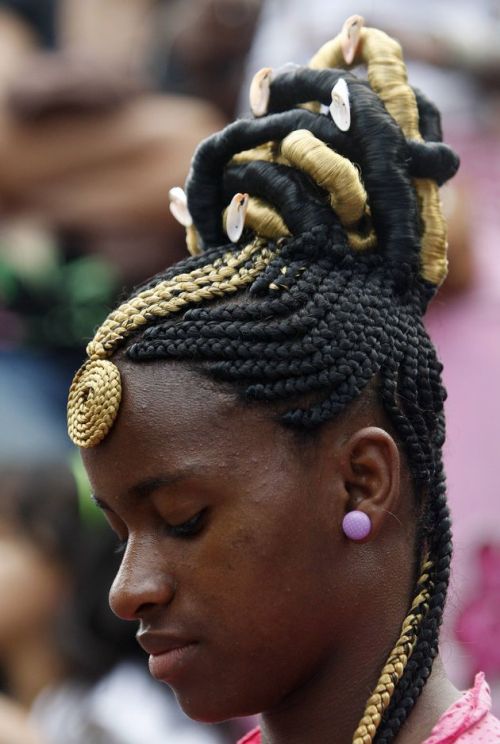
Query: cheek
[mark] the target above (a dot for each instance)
(289, 554)
(270, 618)
(289, 588)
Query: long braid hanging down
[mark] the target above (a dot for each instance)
(330, 198)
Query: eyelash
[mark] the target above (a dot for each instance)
(187, 529)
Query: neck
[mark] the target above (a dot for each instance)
(438, 694)
(31, 665)
(327, 708)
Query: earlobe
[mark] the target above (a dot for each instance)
(370, 465)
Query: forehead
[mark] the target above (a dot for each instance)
(173, 418)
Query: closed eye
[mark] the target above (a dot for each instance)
(189, 528)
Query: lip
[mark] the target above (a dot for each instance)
(168, 654)
(169, 664)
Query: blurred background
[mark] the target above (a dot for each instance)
(101, 107)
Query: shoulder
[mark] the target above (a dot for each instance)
(469, 720)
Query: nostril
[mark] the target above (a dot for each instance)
(145, 609)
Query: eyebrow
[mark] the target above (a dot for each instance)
(146, 487)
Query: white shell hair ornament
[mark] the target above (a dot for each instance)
(178, 206)
(259, 91)
(235, 216)
(349, 37)
(286, 67)
(340, 108)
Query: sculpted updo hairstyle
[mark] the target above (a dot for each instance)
(330, 196)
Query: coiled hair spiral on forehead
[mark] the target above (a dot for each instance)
(342, 249)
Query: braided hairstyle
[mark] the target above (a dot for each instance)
(338, 244)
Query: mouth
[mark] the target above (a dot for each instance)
(168, 654)
(166, 666)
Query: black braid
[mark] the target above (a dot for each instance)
(429, 118)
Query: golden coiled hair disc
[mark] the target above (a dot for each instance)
(93, 402)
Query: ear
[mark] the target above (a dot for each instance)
(370, 469)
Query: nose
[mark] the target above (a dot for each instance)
(141, 584)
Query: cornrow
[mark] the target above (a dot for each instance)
(341, 246)
(95, 393)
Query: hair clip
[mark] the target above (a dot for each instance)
(235, 216)
(259, 91)
(178, 206)
(340, 108)
(349, 37)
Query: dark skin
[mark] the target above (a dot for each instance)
(285, 614)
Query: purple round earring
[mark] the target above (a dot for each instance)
(356, 525)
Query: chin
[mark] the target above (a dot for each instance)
(216, 708)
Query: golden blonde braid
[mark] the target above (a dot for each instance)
(336, 175)
(268, 152)
(193, 241)
(387, 76)
(360, 242)
(396, 663)
(95, 393)
(330, 171)
(265, 220)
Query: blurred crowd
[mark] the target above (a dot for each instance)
(101, 107)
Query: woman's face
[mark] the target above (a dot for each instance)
(233, 564)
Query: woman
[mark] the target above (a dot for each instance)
(278, 485)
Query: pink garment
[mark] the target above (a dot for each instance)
(468, 721)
